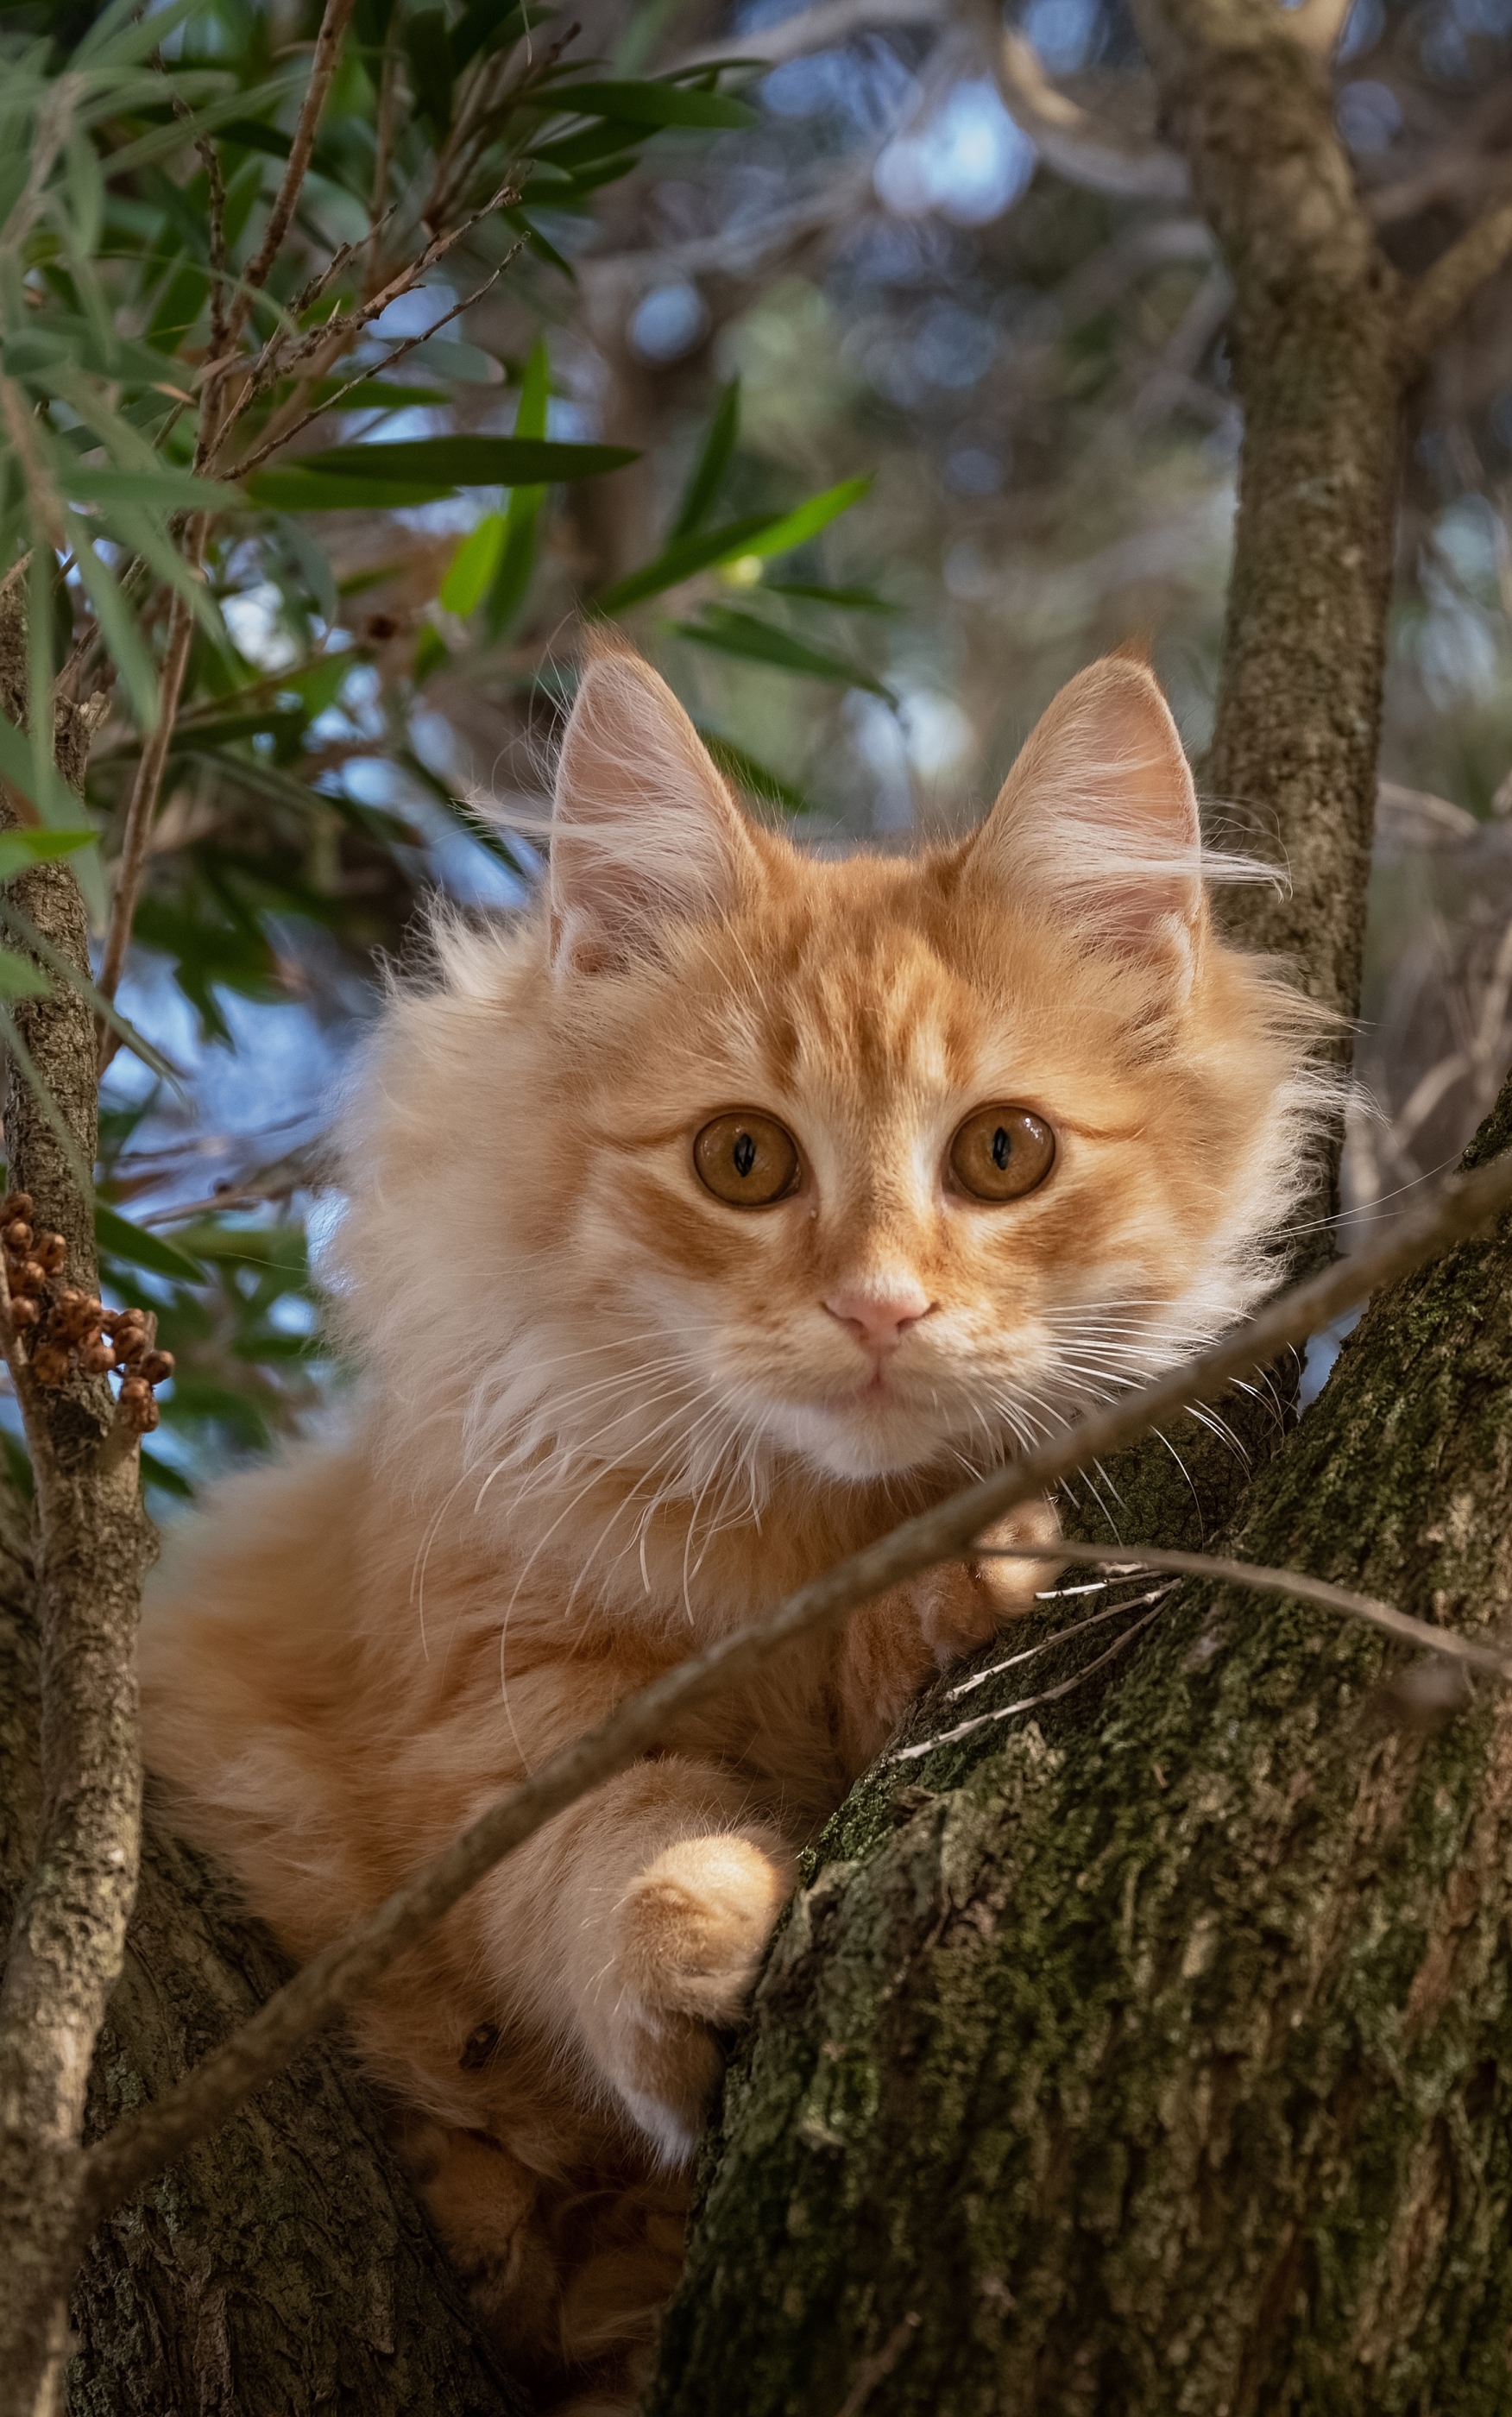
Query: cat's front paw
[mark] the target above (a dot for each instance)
(962, 1603)
(690, 1932)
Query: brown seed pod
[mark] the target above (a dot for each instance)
(50, 1363)
(27, 1277)
(131, 1345)
(53, 1250)
(73, 1314)
(17, 1236)
(15, 1204)
(156, 1367)
(99, 1358)
(138, 1408)
(24, 1313)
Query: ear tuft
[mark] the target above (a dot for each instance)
(643, 830)
(1097, 820)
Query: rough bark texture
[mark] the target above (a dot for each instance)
(94, 1544)
(1153, 2058)
(283, 2265)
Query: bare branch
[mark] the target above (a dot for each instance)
(323, 67)
(286, 436)
(1435, 302)
(1086, 150)
(1384, 1616)
(144, 792)
(146, 2142)
(820, 28)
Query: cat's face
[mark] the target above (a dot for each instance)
(882, 1163)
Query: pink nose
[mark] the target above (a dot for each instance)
(879, 1320)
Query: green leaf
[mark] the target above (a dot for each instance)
(683, 559)
(428, 48)
(20, 978)
(430, 652)
(292, 491)
(844, 600)
(449, 462)
(713, 462)
(655, 104)
(537, 242)
(121, 1239)
(117, 624)
(472, 567)
(517, 560)
(253, 136)
(168, 1480)
(749, 774)
(757, 642)
(796, 527)
(485, 25)
(33, 845)
(168, 490)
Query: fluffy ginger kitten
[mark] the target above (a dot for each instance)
(702, 1224)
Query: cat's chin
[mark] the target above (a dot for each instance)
(858, 1448)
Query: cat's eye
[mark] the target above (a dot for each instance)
(1002, 1153)
(746, 1159)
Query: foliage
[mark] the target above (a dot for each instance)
(171, 395)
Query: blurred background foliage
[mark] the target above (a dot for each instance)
(865, 363)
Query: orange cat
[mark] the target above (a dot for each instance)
(701, 1226)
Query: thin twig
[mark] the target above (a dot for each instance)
(1443, 291)
(336, 333)
(1366, 1607)
(318, 411)
(323, 67)
(145, 2142)
(145, 789)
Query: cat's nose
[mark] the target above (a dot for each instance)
(879, 1320)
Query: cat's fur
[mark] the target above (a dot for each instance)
(606, 1416)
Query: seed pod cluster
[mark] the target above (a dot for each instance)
(61, 1328)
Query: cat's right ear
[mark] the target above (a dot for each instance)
(1097, 821)
(643, 830)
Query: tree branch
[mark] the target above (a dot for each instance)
(1435, 302)
(94, 1545)
(149, 2141)
(322, 69)
(1294, 1583)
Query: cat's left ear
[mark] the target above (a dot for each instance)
(1097, 820)
(643, 830)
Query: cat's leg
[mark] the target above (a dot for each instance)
(644, 1916)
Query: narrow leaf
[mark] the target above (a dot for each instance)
(467, 461)
(748, 773)
(713, 462)
(684, 559)
(473, 567)
(33, 845)
(655, 104)
(20, 978)
(757, 642)
(117, 1236)
(796, 527)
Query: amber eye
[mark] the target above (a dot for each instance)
(745, 1159)
(1002, 1153)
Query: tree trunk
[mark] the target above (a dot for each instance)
(282, 2266)
(1155, 2058)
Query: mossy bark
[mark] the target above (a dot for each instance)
(1153, 2057)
